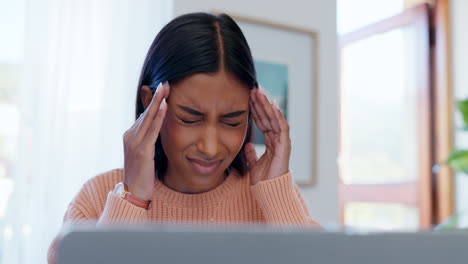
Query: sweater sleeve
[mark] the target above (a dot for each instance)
(74, 214)
(281, 202)
(120, 211)
(85, 209)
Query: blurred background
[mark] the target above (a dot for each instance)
(389, 74)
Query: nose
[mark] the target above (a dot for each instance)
(208, 142)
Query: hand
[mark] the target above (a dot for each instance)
(275, 161)
(139, 145)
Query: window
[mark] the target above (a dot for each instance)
(390, 111)
(11, 67)
(66, 76)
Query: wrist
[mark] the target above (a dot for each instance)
(143, 193)
(140, 189)
(123, 192)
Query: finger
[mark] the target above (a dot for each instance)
(261, 126)
(269, 143)
(153, 132)
(261, 115)
(275, 122)
(153, 108)
(265, 131)
(250, 154)
(267, 108)
(167, 89)
(134, 128)
(284, 126)
(256, 118)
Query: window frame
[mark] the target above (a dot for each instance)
(419, 17)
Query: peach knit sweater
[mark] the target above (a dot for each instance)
(276, 201)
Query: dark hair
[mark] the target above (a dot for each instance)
(197, 43)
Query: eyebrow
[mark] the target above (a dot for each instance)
(197, 113)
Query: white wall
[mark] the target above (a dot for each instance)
(459, 21)
(320, 16)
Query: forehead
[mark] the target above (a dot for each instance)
(221, 91)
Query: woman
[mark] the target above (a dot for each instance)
(188, 156)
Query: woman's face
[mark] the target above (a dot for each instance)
(204, 129)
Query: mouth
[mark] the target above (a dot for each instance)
(204, 167)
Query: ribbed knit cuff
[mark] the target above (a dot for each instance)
(120, 211)
(278, 201)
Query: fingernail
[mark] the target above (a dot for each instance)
(163, 103)
(167, 87)
(158, 88)
(275, 103)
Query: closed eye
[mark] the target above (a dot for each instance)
(232, 124)
(194, 121)
(188, 121)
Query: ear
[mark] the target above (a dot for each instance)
(146, 95)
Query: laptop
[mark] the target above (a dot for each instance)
(183, 244)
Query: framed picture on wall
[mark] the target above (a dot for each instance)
(286, 60)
